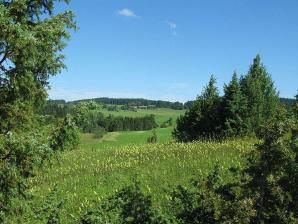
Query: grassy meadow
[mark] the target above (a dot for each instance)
(100, 167)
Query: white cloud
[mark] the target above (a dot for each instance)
(127, 13)
(173, 26)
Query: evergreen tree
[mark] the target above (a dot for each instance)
(234, 109)
(261, 95)
(268, 169)
(203, 119)
(295, 108)
(31, 40)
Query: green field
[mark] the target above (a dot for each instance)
(161, 114)
(100, 167)
(135, 137)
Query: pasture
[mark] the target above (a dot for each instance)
(98, 169)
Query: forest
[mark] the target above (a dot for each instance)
(230, 158)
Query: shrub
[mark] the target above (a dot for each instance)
(153, 137)
(20, 154)
(65, 136)
(50, 211)
(99, 133)
(129, 206)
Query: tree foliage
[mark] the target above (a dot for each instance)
(268, 171)
(246, 105)
(203, 119)
(129, 206)
(234, 109)
(295, 107)
(262, 97)
(65, 136)
(31, 40)
(20, 154)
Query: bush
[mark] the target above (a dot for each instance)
(99, 133)
(167, 123)
(129, 206)
(153, 138)
(20, 155)
(51, 210)
(65, 136)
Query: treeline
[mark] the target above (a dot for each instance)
(60, 108)
(288, 103)
(56, 108)
(248, 102)
(113, 123)
(137, 102)
(90, 119)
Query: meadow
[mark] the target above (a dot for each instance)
(101, 167)
(161, 114)
(135, 137)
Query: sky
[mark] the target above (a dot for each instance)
(167, 49)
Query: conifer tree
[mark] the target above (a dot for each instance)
(234, 109)
(270, 184)
(203, 119)
(295, 108)
(31, 40)
(261, 95)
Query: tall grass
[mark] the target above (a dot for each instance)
(86, 176)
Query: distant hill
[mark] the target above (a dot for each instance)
(287, 102)
(139, 102)
(136, 102)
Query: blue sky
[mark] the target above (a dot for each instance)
(167, 49)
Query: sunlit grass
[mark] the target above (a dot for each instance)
(91, 173)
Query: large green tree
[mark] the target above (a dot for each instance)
(295, 107)
(203, 120)
(261, 95)
(31, 40)
(234, 109)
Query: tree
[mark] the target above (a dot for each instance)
(203, 119)
(20, 154)
(128, 206)
(295, 107)
(31, 40)
(153, 137)
(263, 192)
(234, 109)
(262, 97)
(65, 136)
(267, 168)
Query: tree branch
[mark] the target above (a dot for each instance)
(4, 57)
